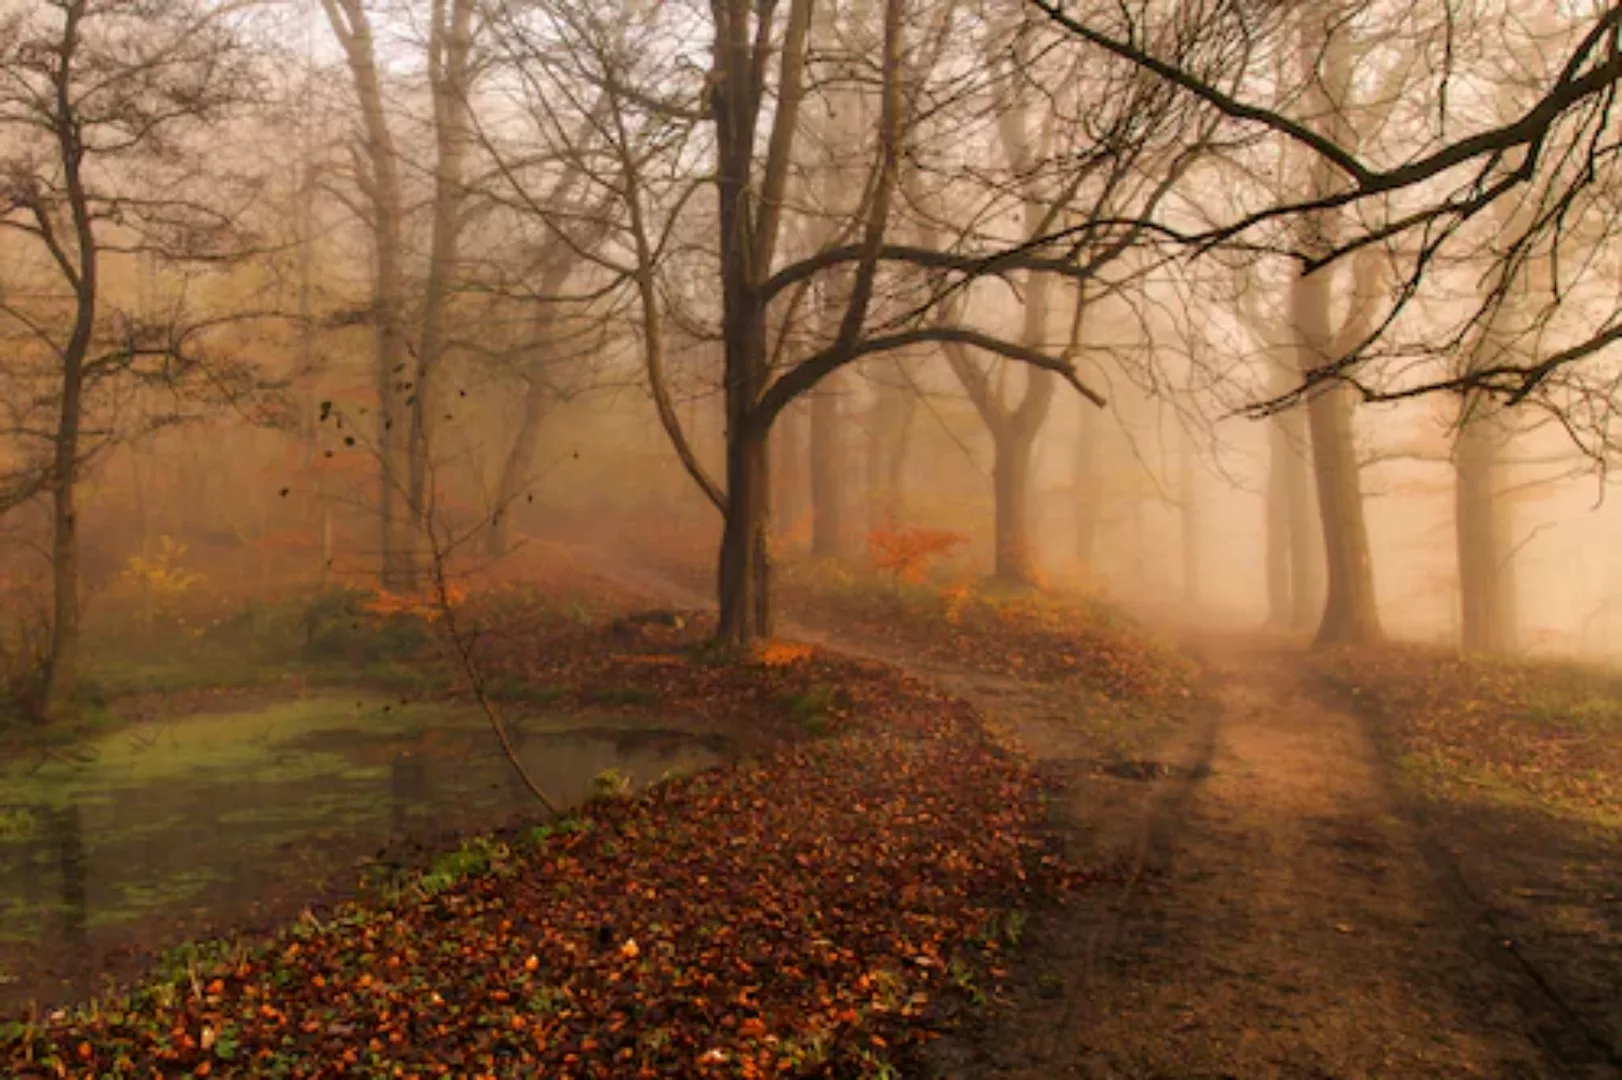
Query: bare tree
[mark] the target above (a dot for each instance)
(377, 173)
(98, 103)
(736, 265)
(450, 79)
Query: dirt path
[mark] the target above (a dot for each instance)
(1272, 916)
(1277, 918)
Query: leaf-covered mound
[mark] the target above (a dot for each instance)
(1537, 732)
(817, 914)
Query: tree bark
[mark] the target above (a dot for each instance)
(743, 574)
(1295, 561)
(1308, 587)
(1350, 615)
(1011, 487)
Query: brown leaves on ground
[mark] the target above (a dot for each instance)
(1541, 732)
(821, 913)
(1034, 635)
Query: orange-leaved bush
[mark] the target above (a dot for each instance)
(906, 551)
(427, 606)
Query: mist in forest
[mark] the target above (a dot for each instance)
(325, 293)
(420, 418)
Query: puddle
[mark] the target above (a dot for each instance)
(1151, 770)
(153, 835)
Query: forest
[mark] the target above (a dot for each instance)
(856, 538)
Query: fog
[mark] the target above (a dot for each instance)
(575, 379)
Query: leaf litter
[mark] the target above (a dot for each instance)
(822, 911)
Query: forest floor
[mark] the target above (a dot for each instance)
(1274, 865)
(1342, 865)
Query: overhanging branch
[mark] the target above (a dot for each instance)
(804, 376)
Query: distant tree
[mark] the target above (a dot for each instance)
(103, 108)
(377, 174)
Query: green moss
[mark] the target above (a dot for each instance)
(260, 746)
(17, 826)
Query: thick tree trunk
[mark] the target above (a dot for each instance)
(516, 467)
(1011, 488)
(1482, 523)
(1350, 615)
(829, 533)
(745, 599)
(1308, 588)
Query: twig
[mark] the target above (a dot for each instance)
(475, 678)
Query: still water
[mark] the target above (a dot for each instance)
(151, 836)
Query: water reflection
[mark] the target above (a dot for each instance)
(64, 829)
(199, 830)
(408, 788)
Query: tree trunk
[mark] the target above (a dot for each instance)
(829, 538)
(1011, 488)
(516, 467)
(1486, 569)
(1295, 580)
(743, 573)
(1308, 589)
(1350, 615)
(448, 46)
(60, 692)
(352, 28)
(62, 678)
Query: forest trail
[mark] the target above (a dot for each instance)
(1275, 916)
(1270, 913)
